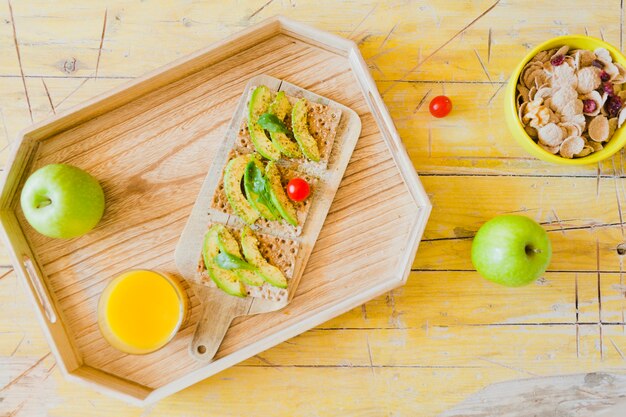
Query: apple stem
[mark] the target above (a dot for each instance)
(530, 250)
(44, 203)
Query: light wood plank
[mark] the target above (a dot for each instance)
(394, 37)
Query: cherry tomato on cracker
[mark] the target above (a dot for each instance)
(298, 189)
(440, 106)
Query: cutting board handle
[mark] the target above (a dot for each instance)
(218, 313)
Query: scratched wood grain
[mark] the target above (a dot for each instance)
(420, 349)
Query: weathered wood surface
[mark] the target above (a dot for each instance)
(592, 394)
(447, 334)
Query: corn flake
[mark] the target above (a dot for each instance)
(550, 134)
(621, 118)
(572, 146)
(588, 80)
(599, 128)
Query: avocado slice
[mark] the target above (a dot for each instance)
(300, 125)
(227, 243)
(278, 196)
(225, 280)
(281, 107)
(250, 246)
(260, 203)
(259, 103)
(232, 187)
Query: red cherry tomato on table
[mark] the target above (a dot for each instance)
(298, 189)
(440, 106)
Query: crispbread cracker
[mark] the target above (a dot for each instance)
(278, 251)
(323, 123)
(279, 227)
(243, 143)
(219, 201)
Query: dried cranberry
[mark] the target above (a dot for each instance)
(607, 88)
(557, 60)
(597, 63)
(589, 106)
(613, 105)
(604, 76)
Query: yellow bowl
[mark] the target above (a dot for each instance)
(618, 140)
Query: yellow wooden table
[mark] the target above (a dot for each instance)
(447, 334)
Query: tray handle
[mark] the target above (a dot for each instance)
(36, 282)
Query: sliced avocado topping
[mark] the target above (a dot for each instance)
(257, 192)
(225, 280)
(278, 196)
(250, 246)
(229, 248)
(300, 126)
(281, 107)
(232, 187)
(259, 104)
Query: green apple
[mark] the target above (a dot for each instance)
(511, 250)
(62, 201)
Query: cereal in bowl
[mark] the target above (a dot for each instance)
(570, 101)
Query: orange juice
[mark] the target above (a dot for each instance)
(140, 311)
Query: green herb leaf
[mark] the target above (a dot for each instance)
(258, 184)
(272, 123)
(226, 260)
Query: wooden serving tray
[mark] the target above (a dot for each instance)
(220, 308)
(150, 143)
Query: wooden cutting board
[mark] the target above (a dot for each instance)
(219, 308)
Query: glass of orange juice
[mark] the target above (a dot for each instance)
(140, 311)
